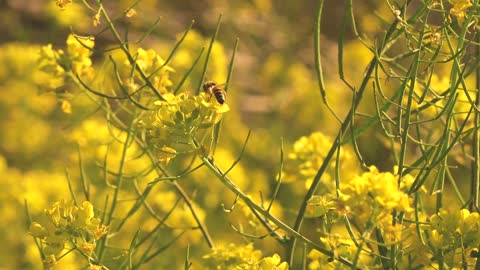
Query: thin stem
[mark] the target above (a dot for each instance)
(345, 124)
(124, 48)
(229, 184)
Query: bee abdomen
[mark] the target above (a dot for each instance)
(220, 95)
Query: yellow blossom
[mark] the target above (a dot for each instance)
(319, 205)
(166, 154)
(233, 256)
(131, 12)
(66, 107)
(100, 231)
(79, 51)
(179, 118)
(96, 20)
(308, 154)
(69, 224)
(95, 267)
(273, 263)
(87, 248)
(459, 8)
(152, 65)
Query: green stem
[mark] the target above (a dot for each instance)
(210, 164)
(118, 186)
(338, 139)
(124, 48)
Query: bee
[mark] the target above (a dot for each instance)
(214, 89)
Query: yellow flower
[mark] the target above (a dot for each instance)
(374, 190)
(66, 107)
(273, 263)
(69, 224)
(437, 239)
(459, 8)
(79, 47)
(153, 66)
(167, 153)
(178, 118)
(455, 233)
(318, 206)
(307, 156)
(84, 215)
(100, 231)
(87, 248)
(79, 51)
(232, 256)
(95, 267)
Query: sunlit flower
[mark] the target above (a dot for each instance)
(69, 224)
(79, 51)
(272, 263)
(166, 154)
(308, 154)
(152, 65)
(459, 8)
(233, 256)
(66, 107)
(318, 206)
(178, 118)
(87, 248)
(100, 231)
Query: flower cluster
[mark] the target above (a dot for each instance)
(176, 120)
(368, 201)
(243, 257)
(341, 246)
(459, 8)
(152, 66)
(55, 65)
(308, 155)
(68, 226)
(451, 238)
(455, 234)
(373, 193)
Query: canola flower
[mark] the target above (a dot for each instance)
(231, 256)
(173, 124)
(55, 66)
(152, 65)
(68, 226)
(454, 235)
(368, 200)
(459, 9)
(307, 156)
(341, 246)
